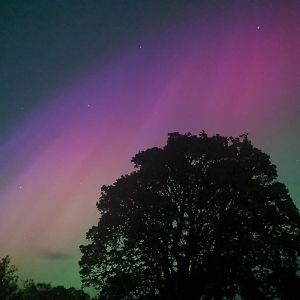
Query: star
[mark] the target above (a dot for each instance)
(258, 27)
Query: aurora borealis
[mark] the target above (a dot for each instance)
(86, 84)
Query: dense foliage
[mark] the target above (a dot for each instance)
(202, 217)
(43, 291)
(8, 279)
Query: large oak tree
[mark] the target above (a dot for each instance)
(201, 218)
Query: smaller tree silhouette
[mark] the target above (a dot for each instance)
(9, 289)
(201, 218)
(44, 291)
(8, 279)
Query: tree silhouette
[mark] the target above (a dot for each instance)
(9, 289)
(44, 291)
(201, 218)
(8, 279)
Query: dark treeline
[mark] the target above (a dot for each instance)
(10, 289)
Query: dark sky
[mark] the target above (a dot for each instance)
(46, 44)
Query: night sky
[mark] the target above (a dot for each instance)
(86, 84)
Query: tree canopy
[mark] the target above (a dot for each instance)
(204, 217)
(8, 279)
(44, 291)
